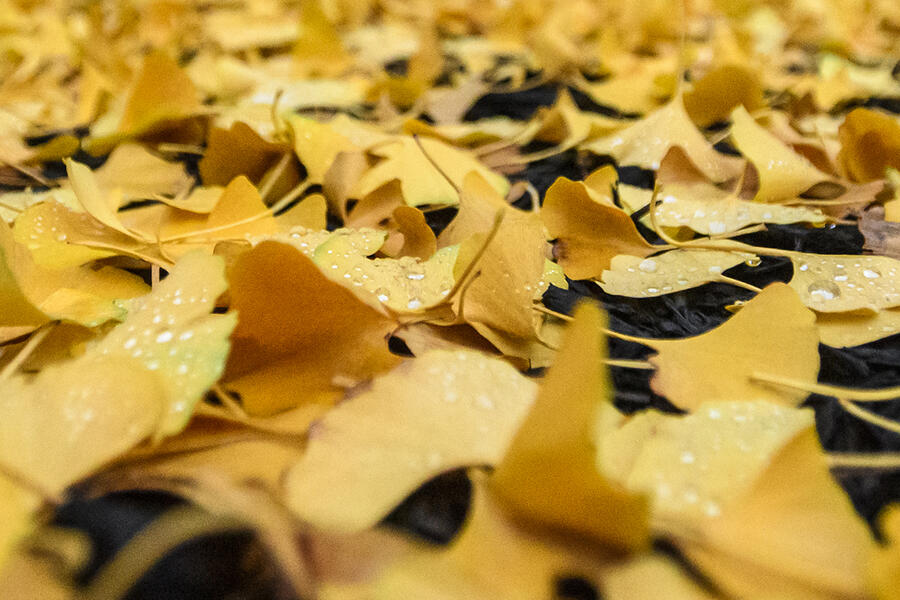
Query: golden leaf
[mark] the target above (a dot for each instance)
(720, 362)
(832, 283)
(666, 273)
(461, 408)
(588, 233)
(549, 477)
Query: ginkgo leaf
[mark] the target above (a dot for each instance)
(493, 558)
(782, 172)
(403, 284)
(694, 466)
(666, 273)
(317, 145)
(794, 535)
(843, 329)
(238, 150)
(64, 423)
(869, 144)
(139, 174)
(884, 564)
(479, 203)
(549, 477)
(318, 50)
(588, 233)
(713, 96)
(421, 182)
(418, 238)
(171, 331)
(718, 365)
(101, 204)
(511, 269)
(299, 334)
(461, 408)
(79, 294)
(710, 211)
(566, 126)
(646, 575)
(832, 283)
(646, 142)
(161, 95)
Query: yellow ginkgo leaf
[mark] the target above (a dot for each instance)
(317, 145)
(566, 126)
(666, 273)
(588, 233)
(794, 535)
(171, 331)
(869, 144)
(238, 150)
(708, 210)
(101, 204)
(884, 564)
(404, 284)
(80, 294)
(646, 142)
(461, 408)
(510, 274)
(139, 174)
(646, 575)
(421, 182)
(319, 50)
(161, 96)
(839, 283)
(494, 558)
(782, 173)
(713, 96)
(65, 422)
(718, 365)
(694, 466)
(549, 476)
(843, 329)
(299, 335)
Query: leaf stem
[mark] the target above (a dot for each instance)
(856, 395)
(869, 417)
(26, 351)
(853, 460)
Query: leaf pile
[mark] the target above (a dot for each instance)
(301, 264)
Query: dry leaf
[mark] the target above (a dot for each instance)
(588, 233)
(667, 273)
(646, 143)
(461, 408)
(695, 466)
(782, 173)
(869, 144)
(298, 333)
(840, 283)
(718, 365)
(795, 534)
(549, 477)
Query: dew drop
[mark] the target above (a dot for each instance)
(687, 457)
(753, 261)
(821, 290)
(165, 336)
(871, 274)
(383, 294)
(648, 266)
(652, 290)
(716, 227)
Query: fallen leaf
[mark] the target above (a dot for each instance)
(840, 283)
(588, 233)
(298, 332)
(548, 476)
(869, 144)
(782, 173)
(718, 365)
(666, 273)
(646, 142)
(462, 409)
(795, 534)
(695, 466)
